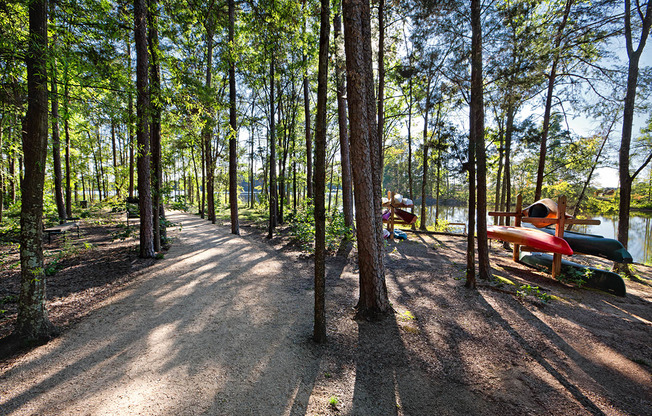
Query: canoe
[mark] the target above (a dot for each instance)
(543, 208)
(594, 278)
(530, 237)
(408, 217)
(595, 245)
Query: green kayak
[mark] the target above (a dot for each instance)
(594, 278)
(595, 245)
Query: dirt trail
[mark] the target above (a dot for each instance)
(219, 327)
(222, 326)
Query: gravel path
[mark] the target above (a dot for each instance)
(217, 327)
(222, 326)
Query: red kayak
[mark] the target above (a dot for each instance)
(530, 237)
(408, 217)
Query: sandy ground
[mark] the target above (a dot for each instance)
(222, 326)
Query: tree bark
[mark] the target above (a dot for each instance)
(477, 114)
(548, 108)
(373, 302)
(306, 104)
(424, 177)
(2, 170)
(32, 323)
(507, 176)
(319, 332)
(345, 154)
(207, 135)
(272, 152)
(628, 117)
(381, 81)
(130, 124)
(409, 143)
(142, 131)
(66, 129)
(233, 133)
(56, 140)
(499, 172)
(251, 158)
(156, 106)
(115, 160)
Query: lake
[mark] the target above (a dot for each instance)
(640, 228)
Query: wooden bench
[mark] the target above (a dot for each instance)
(61, 229)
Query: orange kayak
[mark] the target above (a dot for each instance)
(543, 208)
(530, 237)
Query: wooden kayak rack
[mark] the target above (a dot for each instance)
(560, 223)
(393, 218)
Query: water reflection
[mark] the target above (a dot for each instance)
(640, 228)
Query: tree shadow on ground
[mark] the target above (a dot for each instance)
(220, 312)
(516, 351)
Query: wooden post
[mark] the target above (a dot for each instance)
(390, 195)
(517, 223)
(559, 232)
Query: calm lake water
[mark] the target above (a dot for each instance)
(640, 228)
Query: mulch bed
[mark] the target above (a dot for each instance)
(84, 271)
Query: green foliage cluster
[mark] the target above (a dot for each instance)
(123, 231)
(302, 228)
(535, 291)
(5, 300)
(180, 204)
(575, 276)
(601, 205)
(68, 250)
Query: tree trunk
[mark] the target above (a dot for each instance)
(194, 163)
(66, 128)
(12, 179)
(98, 175)
(272, 152)
(306, 104)
(56, 140)
(155, 139)
(282, 161)
(580, 198)
(548, 108)
(381, 81)
(345, 154)
(499, 172)
(203, 179)
(32, 323)
(233, 133)
(130, 124)
(424, 177)
(628, 118)
(319, 332)
(409, 140)
(438, 176)
(477, 113)
(2, 172)
(373, 302)
(207, 135)
(83, 182)
(115, 160)
(251, 158)
(505, 196)
(142, 131)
